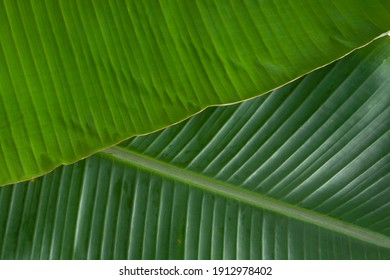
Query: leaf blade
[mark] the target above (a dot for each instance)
(80, 77)
(104, 208)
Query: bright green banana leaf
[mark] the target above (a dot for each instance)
(301, 173)
(77, 76)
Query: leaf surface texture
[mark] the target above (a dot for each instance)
(301, 173)
(79, 76)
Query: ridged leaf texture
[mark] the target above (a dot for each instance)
(77, 76)
(300, 173)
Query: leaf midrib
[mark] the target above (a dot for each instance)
(233, 192)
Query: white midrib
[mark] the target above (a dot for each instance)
(255, 199)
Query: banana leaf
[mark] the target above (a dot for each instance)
(299, 173)
(77, 76)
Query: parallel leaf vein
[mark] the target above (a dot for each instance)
(230, 191)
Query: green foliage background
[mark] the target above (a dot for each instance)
(299, 173)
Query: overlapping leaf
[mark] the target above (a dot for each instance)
(77, 76)
(301, 173)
